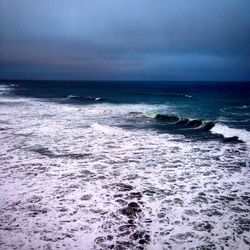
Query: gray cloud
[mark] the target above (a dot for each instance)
(125, 39)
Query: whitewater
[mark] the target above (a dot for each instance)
(111, 176)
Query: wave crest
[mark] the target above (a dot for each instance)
(228, 132)
(186, 122)
(85, 98)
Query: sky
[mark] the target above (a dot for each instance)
(170, 40)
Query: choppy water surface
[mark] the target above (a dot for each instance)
(82, 177)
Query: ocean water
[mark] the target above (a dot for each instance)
(124, 165)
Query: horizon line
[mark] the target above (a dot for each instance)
(167, 81)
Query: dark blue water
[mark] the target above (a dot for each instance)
(225, 103)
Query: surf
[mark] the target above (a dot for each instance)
(176, 122)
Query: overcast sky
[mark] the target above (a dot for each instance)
(125, 39)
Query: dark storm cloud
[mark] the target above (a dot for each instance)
(125, 39)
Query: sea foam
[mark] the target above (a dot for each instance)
(73, 179)
(228, 132)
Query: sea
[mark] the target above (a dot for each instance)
(124, 165)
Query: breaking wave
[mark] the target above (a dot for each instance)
(4, 89)
(86, 99)
(186, 122)
(230, 134)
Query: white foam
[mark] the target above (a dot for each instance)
(71, 96)
(106, 129)
(228, 132)
(4, 89)
(44, 190)
(150, 114)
